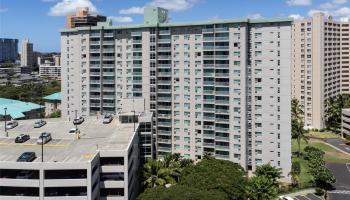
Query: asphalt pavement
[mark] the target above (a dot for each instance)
(342, 185)
(338, 143)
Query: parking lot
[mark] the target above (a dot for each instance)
(307, 197)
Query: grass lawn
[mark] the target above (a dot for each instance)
(331, 155)
(323, 135)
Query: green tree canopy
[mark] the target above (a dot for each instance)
(221, 175)
(181, 192)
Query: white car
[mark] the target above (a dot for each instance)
(285, 198)
(11, 124)
(73, 131)
(107, 118)
(78, 120)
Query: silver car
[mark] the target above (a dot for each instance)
(11, 124)
(39, 123)
(107, 118)
(44, 138)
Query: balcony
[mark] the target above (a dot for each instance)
(108, 57)
(164, 57)
(95, 50)
(222, 74)
(222, 83)
(95, 96)
(208, 38)
(222, 111)
(161, 132)
(136, 49)
(108, 73)
(222, 138)
(95, 89)
(209, 48)
(167, 124)
(210, 83)
(137, 57)
(95, 73)
(112, 105)
(222, 102)
(108, 89)
(166, 149)
(95, 35)
(221, 56)
(164, 65)
(108, 34)
(208, 144)
(208, 118)
(222, 92)
(164, 49)
(208, 30)
(95, 81)
(222, 39)
(108, 81)
(164, 32)
(137, 65)
(164, 90)
(95, 42)
(209, 100)
(208, 65)
(224, 29)
(209, 109)
(108, 42)
(209, 74)
(164, 40)
(164, 73)
(95, 57)
(136, 41)
(137, 81)
(95, 105)
(108, 97)
(166, 141)
(222, 47)
(218, 128)
(161, 107)
(164, 116)
(208, 127)
(108, 66)
(208, 91)
(136, 33)
(164, 82)
(166, 99)
(220, 147)
(108, 50)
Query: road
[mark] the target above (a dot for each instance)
(338, 143)
(342, 185)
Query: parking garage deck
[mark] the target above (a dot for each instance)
(65, 147)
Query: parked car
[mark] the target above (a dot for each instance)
(285, 198)
(39, 123)
(27, 157)
(25, 174)
(44, 138)
(107, 118)
(78, 120)
(11, 124)
(73, 131)
(22, 138)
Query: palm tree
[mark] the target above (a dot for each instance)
(295, 173)
(297, 111)
(334, 106)
(298, 132)
(261, 187)
(155, 174)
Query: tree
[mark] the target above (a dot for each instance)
(155, 174)
(295, 173)
(220, 175)
(298, 132)
(269, 171)
(297, 111)
(262, 187)
(180, 192)
(334, 106)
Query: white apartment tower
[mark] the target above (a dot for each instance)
(221, 87)
(320, 65)
(27, 55)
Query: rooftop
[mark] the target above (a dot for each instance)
(15, 108)
(54, 96)
(64, 146)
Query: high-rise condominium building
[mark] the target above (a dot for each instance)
(83, 18)
(320, 65)
(221, 87)
(8, 50)
(27, 56)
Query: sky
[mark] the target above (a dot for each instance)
(41, 20)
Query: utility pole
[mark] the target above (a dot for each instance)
(42, 147)
(5, 123)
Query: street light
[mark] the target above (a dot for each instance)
(5, 122)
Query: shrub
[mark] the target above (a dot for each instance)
(319, 191)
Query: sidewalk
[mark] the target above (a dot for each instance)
(301, 192)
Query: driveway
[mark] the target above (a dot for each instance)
(338, 143)
(308, 197)
(342, 185)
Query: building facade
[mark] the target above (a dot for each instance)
(52, 103)
(50, 67)
(220, 87)
(82, 18)
(8, 50)
(345, 124)
(27, 56)
(320, 65)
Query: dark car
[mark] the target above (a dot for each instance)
(22, 138)
(78, 120)
(27, 157)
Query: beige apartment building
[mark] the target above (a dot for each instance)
(27, 55)
(320, 65)
(221, 87)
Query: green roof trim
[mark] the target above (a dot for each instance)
(15, 108)
(55, 96)
(179, 24)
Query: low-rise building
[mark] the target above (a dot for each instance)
(345, 123)
(52, 103)
(102, 163)
(50, 67)
(14, 109)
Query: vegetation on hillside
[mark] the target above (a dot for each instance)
(29, 92)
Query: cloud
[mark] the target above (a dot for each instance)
(342, 12)
(255, 16)
(2, 10)
(339, 2)
(299, 2)
(333, 8)
(132, 10)
(172, 5)
(296, 17)
(121, 19)
(66, 7)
